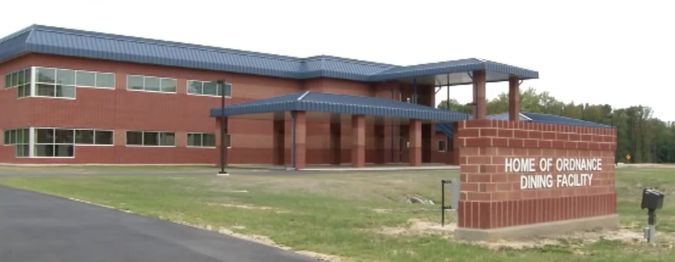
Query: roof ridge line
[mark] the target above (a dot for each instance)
(348, 60)
(302, 96)
(158, 42)
(17, 33)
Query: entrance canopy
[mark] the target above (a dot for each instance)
(341, 104)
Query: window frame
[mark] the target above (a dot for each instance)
(94, 130)
(33, 143)
(32, 140)
(438, 145)
(160, 78)
(17, 144)
(35, 83)
(96, 73)
(13, 76)
(201, 140)
(159, 139)
(187, 90)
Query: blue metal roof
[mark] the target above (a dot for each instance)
(77, 43)
(340, 104)
(549, 119)
(446, 128)
(457, 66)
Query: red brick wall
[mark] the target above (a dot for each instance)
(450, 156)
(491, 198)
(121, 110)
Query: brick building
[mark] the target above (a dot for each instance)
(76, 97)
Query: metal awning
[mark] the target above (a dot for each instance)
(340, 104)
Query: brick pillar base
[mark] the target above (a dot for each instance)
(359, 141)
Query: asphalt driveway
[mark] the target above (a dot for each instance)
(37, 227)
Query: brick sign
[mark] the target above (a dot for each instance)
(521, 178)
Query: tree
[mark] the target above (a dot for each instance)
(645, 138)
(455, 106)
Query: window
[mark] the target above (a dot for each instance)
(442, 147)
(7, 137)
(106, 80)
(103, 137)
(86, 78)
(21, 80)
(143, 138)
(93, 137)
(94, 79)
(51, 142)
(54, 142)
(206, 88)
(134, 138)
(201, 140)
(151, 84)
(53, 82)
(19, 139)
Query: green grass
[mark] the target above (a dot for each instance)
(339, 213)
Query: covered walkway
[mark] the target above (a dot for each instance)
(358, 107)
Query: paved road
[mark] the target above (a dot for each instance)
(37, 227)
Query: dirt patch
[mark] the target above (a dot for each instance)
(629, 236)
(264, 240)
(100, 205)
(420, 227)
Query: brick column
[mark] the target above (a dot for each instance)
(415, 150)
(279, 134)
(381, 143)
(336, 139)
(479, 95)
(358, 140)
(300, 138)
(514, 99)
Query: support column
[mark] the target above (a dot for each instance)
(299, 139)
(279, 135)
(359, 140)
(222, 134)
(381, 137)
(415, 150)
(336, 139)
(479, 95)
(514, 99)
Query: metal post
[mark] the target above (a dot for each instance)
(223, 123)
(650, 231)
(442, 203)
(414, 96)
(448, 92)
(443, 206)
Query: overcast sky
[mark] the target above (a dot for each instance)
(610, 52)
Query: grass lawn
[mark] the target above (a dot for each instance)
(358, 216)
